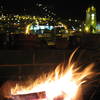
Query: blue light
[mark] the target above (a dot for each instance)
(51, 27)
(37, 27)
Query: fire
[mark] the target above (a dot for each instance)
(64, 82)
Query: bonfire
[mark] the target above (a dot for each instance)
(64, 83)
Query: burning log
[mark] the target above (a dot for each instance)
(41, 96)
(31, 96)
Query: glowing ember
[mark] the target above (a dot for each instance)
(64, 83)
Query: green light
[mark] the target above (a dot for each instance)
(90, 23)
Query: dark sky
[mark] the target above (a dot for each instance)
(64, 8)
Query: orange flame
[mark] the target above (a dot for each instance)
(63, 81)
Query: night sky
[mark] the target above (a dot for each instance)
(63, 8)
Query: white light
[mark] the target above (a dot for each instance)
(39, 5)
(73, 28)
(69, 19)
(92, 16)
(75, 20)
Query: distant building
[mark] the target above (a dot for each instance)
(90, 22)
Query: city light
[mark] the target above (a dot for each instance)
(28, 29)
(92, 16)
(87, 29)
